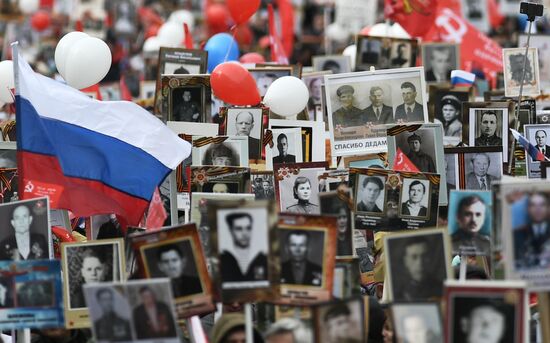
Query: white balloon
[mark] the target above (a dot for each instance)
(151, 44)
(87, 63)
(397, 31)
(336, 33)
(7, 81)
(287, 96)
(29, 6)
(63, 47)
(351, 51)
(380, 30)
(171, 34)
(182, 16)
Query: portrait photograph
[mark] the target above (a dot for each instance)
(188, 98)
(417, 322)
(485, 311)
(246, 122)
(470, 220)
(481, 169)
(88, 262)
(313, 137)
(35, 293)
(446, 108)
(264, 77)
(417, 263)
(439, 59)
(333, 204)
(512, 59)
(415, 198)
(221, 151)
(385, 52)
(477, 13)
(488, 126)
(263, 185)
(341, 321)
(359, 105)
(538, 136)
(336, 64)
(26, 220)
(314, 82)
(297, 187)
(302, 245)
(287, 147)
(370, 195)
(400, 54)
(542, 43)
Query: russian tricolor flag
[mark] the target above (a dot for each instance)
(461, 78)
(532, 150)
(89, 156)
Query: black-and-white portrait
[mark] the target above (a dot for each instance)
(370, 194)
(174, 259)
(187, 104)
(477, 13)
(341, 321)
(449, 115)
(8, 158)
(334, 63)
(410, 108)
(314, 82)
(400, 54)
(451, 171)
(482, 169)
(181, 68)
(302, 253)
(368, 52)
(36, 293)
(332, 204)
(232, 152)
(415, 198)
(168, 197)
(87, 263)
(265, 77)
(513, 71)
(243, 247)
(417, 265)
(110, 313)
(538, 136)
(263, 186)
(488, 127)
(7, 292)
(8, 165)
(299, 193)
(247, 122)
(26, 234)
(287, 146)
(420, 148)
(417, 322)
(439, 59)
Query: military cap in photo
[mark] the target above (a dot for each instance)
(450, 100)
(345, 89)
(414, 137)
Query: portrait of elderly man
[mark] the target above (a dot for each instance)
(470, 218)
(416, 329)
(413, 206)
(417, 156)
(479, 178)
(450, 116)
(488, 128)
(244, 124)
(378, 112)
(347, 115)
(530, 239)
(372, 187)
(440, 65)
(410, 110)
(298, 269)
(174, 263)
(540, 140)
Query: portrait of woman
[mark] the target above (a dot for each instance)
(302, 193)
(314, 86)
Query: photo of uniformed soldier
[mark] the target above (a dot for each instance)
(298, 269)
(110, 326)
(470, 219)
(347, 115)
(417, 156)
(185, 106)
(488, 126)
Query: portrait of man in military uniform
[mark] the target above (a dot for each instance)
(490, 125)
(420, 156)
(468, 228)
(347, 115)
(297, 265)
(187, 105)
(110, 326)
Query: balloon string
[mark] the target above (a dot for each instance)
(234, 31)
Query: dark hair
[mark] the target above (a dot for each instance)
(217, 150)
(374, 180)
(297, 233)
(103, 290)
(374, 89)
(337, 310)
(416, 182)
(545, 135)
(299, 180)
(234, 216)
(330, 63)
(415, 241)
(468, 201)
(408, 85)
(169, 247)
(490, 113)
(144, 289)
(280, 138)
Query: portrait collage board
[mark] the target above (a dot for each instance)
(418, 144)
(88, 262)
(384, 52)
(310, 238)
(473, 168)
(360, 104)
(390, 200)
(221, 151)
(32, 294)
(326, 316)
(176, 253)
(211, 179)
(186, 98)
(118, 311)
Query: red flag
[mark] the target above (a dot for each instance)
(156, 214)
(188, 41)
(415, 16)
(495, 15)
(277, 51)
(402, 163)
(125, 93)
(286, 13)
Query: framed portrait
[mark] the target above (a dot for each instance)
(263, 185)
(385, 52)
(387, 200)
(337, 204)
(512, 59)
(417, 321)
(168, 195)
(88, 262)
(316, 236)
(516, 154)
(542, 44)
(422, 279)
(247, 122)
(342, 321)
(220, 151)
(537, 135)
(363, 241)
(220, 180)
(31, 217)
(419, 143)
(126, 312)
(186, 98)
(8, 171)
(297, 187)
(347, 279)
(477, 13)
(470, 304)
(32, 294)
(356, 121)
(265, 76)
(378, 160)
(470, 220)
(287, 147)
(336, 64)
(476, 168)
(314, 82)
(176, 253)
(313, 137)
(439, 59)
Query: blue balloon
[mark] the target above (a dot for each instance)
(219, 47)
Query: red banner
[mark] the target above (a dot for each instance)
(402, 163)
(156, 214)
(414, 16)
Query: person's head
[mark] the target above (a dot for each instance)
(489, 123)
(244, 123)
(171, 261)
(105, 299)
(302, 188)
(470, 214)
(342, 220)
(540, 138)
(297, 245)
(480, 164)
(401, 49)
(408, 90)
(450, 108)
(186, 96)
(266, 185)
(415, 141)
(314, 86)
(537, 207)
(485, 324)
(21, 219)
(372, 186)
(416, 191)
(440, 60)
(93, 268)
(265, 81)
(332, 66)
(147, 295)
(415, 329)
(416, 259)
(222, 155)
(338, 322)
(220, 188)
(240, 227)
(282, 144)
(345, 95)
(377, 96)
(287, 330)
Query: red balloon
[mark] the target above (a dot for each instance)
(233, 84)
(216, 17)
(243, 35)
(252, 57)
(40, 20)
(242, 10)
(152, 31)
